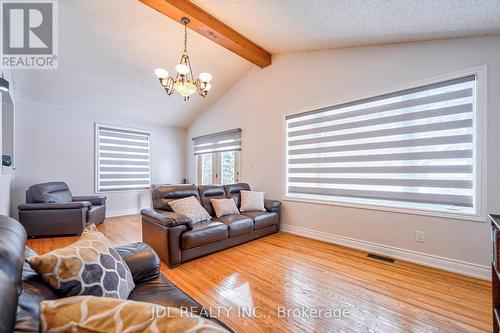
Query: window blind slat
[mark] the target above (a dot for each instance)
(458, 200)
(389, 144)
(122, 158)
(390, 169)
(421, 135)
(127, 142)
(387, 107)
(428, 128)
(452, 110)
(390, 182)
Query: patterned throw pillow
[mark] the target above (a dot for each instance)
(90, 266)
(252, 201)
(97, 314)
(224, 207)
(191, 208)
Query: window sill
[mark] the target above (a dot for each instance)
(122, 191)
(388, 208)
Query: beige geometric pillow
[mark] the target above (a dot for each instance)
(252, 201)
(98, 314)
(224, 207)
(90, 266)
(191, 208)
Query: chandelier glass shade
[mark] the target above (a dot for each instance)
(184, 82)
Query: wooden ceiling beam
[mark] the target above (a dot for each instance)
(210, 27)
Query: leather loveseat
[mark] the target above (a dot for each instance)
(51, 210)
(22, 289)
(176, 239)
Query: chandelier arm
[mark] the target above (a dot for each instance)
(189, 66)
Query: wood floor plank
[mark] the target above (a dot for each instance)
(285, 270)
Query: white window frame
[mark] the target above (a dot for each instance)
(216, 176)
(480, 135)
(97, 158)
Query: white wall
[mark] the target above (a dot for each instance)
(55, 144)
(261, 99)
(6, 175)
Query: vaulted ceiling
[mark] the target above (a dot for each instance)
(282, 26)
(109, 49)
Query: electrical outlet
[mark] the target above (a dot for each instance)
(420, 236)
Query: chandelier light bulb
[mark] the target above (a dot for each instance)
(182, 69)
(205, 77)
(161, 73)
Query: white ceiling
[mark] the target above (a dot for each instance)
(108, 51)
(282, 26)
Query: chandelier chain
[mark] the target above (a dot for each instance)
(185, 37)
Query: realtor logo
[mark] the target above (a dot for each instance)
(29, 34)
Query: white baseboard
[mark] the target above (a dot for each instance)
(122, 212)
(447, 264)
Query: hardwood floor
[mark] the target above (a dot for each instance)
(285, 270)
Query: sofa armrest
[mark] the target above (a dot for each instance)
(50, 206)
(97, 200)
(167, 219)
(272, 205)
(142, 260)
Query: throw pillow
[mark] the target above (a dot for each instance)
(97, 314)
(90, 266)
(224, 207)
(191, 208)
(252, 201)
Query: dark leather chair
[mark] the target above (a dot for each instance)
(51, 210)
(176, 239)
(22, 289)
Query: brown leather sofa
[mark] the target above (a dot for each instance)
(22, 289)
(176, 239)
(51, 210)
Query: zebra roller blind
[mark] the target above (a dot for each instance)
(217, 142)
(122, 159)
(414, 146)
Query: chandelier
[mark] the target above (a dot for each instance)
(184, 82)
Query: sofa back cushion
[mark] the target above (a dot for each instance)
(233, 192)
(209, 192)
(53, 192)
(162, 195)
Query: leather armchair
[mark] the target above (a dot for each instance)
(51, 209)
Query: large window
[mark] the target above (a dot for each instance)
(218, 157)
(412, 149)
(122, 159)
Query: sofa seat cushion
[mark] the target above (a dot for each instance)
(96, 214)
(237, 224)
(263, 219)
(162, 292)
(204, 233)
